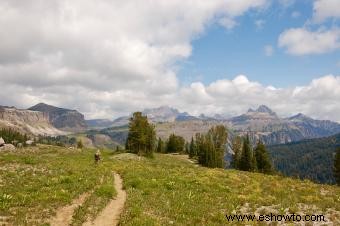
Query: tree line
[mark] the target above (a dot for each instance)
(209, 148)
(11, 136)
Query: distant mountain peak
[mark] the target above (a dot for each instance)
(43, 107)
(300, 116)
(264, 109)
(161, 109)
(62, 118)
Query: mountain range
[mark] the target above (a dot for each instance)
(260, 124)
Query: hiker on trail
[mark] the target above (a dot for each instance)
(97, 156)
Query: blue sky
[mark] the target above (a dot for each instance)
(219, 53)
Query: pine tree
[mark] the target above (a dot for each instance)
(187, 148)
(237, 148)
(160, 146)
(337, 166)
(264, 164)
(192, 148)
(211, 147)
(142, 136)
(219, 138)
(175, 144)
(246, 160)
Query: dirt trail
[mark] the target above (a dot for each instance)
(111, 213)
(64, 214)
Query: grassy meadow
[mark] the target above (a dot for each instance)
(164, 190)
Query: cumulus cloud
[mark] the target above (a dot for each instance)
(301, 41)
(319, 99)
(108, 58)
(325, 9)
(102, 57)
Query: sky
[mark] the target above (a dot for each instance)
(110, 58)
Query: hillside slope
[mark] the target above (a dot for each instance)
(312, 159)
(166, 190)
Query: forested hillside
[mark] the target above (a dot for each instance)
(312, 159)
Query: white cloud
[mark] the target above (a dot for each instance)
(268, 50)
(108, 58)
(104, 58)
(324, 9)
(237, 95)
(227, 23)
(300, 41)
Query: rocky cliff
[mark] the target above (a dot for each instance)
(61, 118)
(27, 121)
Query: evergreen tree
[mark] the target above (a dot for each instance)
(219, 137)
(211, 147)
(246, 160)
(160, 146)
(337, 166)
(253, 162)
(237, 148)
(192, 148)
(263, 162)
(141, 136)
(187, 148)
(175, 144)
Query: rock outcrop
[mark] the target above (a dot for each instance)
(61, 118)
(27, 121)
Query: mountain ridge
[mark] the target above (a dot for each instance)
(27, 121)
(310, 158)
(260, 124)
(62, 118)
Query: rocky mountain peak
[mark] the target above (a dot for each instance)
(62, 118)
(300, 117)
(264, 109)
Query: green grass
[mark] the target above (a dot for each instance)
(164, 190)
(34, 182)
(169, 191)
